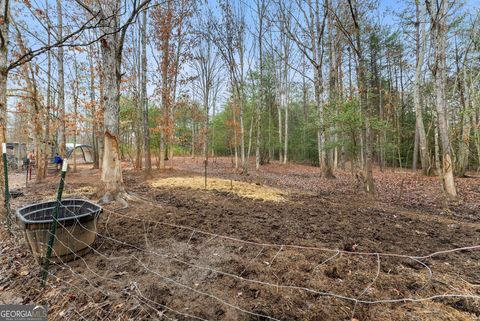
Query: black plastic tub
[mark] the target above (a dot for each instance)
(76, 229)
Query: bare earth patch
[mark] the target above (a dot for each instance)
(183, 252)
(239, 188)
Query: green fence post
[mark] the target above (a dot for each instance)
(7, 191)
(53, 225)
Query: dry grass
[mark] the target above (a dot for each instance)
(239, 188)
(87, 191)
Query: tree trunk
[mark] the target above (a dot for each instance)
(316, 31)
(165, 94)
(415, 151)
(61, 83)
(420, 36)
(241, 97)
(76, 92)
(242, 140)
(101, 117)
(37, 121)
(46, 139)
(439, 26)
(36, 117)
(93, 106)
(280, 125)
(143, 95)
(332, 77)
(465, 117)
(250, 134)
(4, 15)
(235, 142)
(137, 99)
(111, 57)
(192, 143)
(305, 112)
(260, 11)
(367, 175)
(285, 97)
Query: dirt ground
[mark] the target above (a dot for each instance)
(184, 253)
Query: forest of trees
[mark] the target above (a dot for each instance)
(343, 85)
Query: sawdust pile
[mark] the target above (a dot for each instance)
(242, 189)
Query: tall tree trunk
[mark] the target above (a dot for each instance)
(93, 106)
(235, 140)
(137, 100)
(261, 11)
(143, 95)
(285, 97)
(250, 133)
(214, 107)
(46, 139)
(383, 131)
(316, 29)
(111, 57)
(36, 113)
(61, 83)
(438, 166)
(367, 175)
(5, 16)
(241, 96)
(166, 94)
(439, 26)
(332, 75)
(415, 151)
(37, 121)
(420, 35)
(101, 116)
(242, 140)
(465, 117)
(280, 125)
(76, 92)
(305, 111)
(206, 105)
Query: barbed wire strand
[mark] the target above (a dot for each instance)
(338, 296)
(368, 286)
(33, 266)
(101, 276)
(294, 246)
(163, 277)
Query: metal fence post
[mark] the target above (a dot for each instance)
(7, 191)
(53, 225)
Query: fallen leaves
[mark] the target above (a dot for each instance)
(24, 272)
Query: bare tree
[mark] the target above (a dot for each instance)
(61, 83)
(261, 12)
(420, 38)
(313, 50)
(75, 98)
(33, 101)
(365, 175)
(143, 94)
(438, 18)
(206, 65)
(108, 13)
(229, 38)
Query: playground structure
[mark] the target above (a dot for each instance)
(82, 152)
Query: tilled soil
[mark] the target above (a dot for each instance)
(324, 254)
